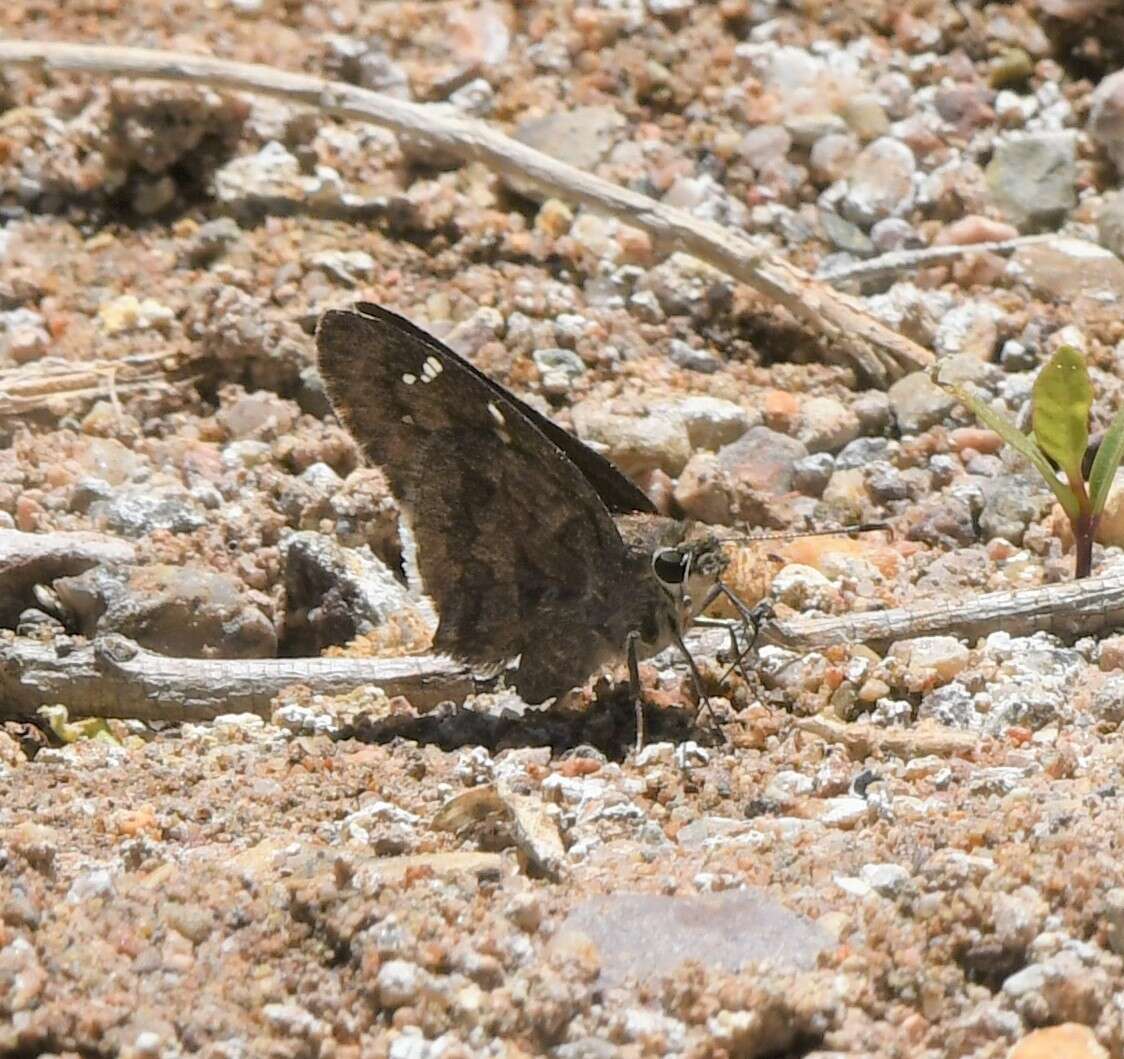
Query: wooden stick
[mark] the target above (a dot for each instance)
(45, 382)
(1070, 610)
(889, 265)
(843, 323)
(113, 677)
(862, 740)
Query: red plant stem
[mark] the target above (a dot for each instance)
(1083, 530)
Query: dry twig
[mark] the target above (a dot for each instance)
(887, 266)
(46, 382)
(113, 677)
(1070, 610)
(843, 323)
(863, 740)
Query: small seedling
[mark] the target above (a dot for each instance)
(1062, 398)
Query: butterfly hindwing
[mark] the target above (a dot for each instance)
(512, 537)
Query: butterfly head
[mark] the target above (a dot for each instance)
(687, 572)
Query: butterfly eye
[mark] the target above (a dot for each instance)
(670, 566)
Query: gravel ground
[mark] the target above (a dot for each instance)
(347, 878)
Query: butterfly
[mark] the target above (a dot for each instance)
(533, 547)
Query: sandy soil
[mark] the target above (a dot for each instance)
(347, 878)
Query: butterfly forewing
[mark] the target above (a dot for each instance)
(617, 493)
(512, 537)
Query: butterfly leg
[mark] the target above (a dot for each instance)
(697, 680)
(736, 651)
(634, 687)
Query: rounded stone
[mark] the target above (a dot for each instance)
(880, 183)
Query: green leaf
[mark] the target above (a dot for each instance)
(1020, 442)
(1104, 466)
(1062, 399)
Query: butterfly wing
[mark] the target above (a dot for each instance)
(514, 543)
(620, 495)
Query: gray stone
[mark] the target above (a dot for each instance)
(711, 421)
(476, 98)
(376, 70)
(706, 199)
(686, 286)
(892, 234)
(1025, 703)
(970, 328)
(400, 982)
(763, 460)
(1110, 223)
(581, 137)
(1033, 177)
(951, 705)
(1106, 118)
(1018, 917)
(348, 267)
(863, 451)
(1011, 502)
(802, 588)
(333, 594)
(138, 511)
(832, 157)
(873, 411)
(644, 936)
(885, 482)
(880, 183)
(844, 235)
(687, 357)
(826, 425)
(88, 491)
(889, 880)
(811, 474)
(787, 787)
(636, 443)
(1064, 269)
(485, 325)
(765, 144)
(945, 521)
(644, 305)
(174, 610)
(919, 403)
(559, 369)
(808, 129)
(1114, 916)
(211, 241)
(586, 1048)
(1107, 703)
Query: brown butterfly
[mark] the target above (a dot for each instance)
(532, 546)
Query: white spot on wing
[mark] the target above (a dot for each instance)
(408, 420)
(497, 415)
(409, 379)
(503, 435)
(431, 369)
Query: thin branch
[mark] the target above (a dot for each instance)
(113, 677)
(1069, 611)
(843, 323)
(863, 740)
(888, 266)
(46, 382)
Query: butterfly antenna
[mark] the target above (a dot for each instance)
(789, 535)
